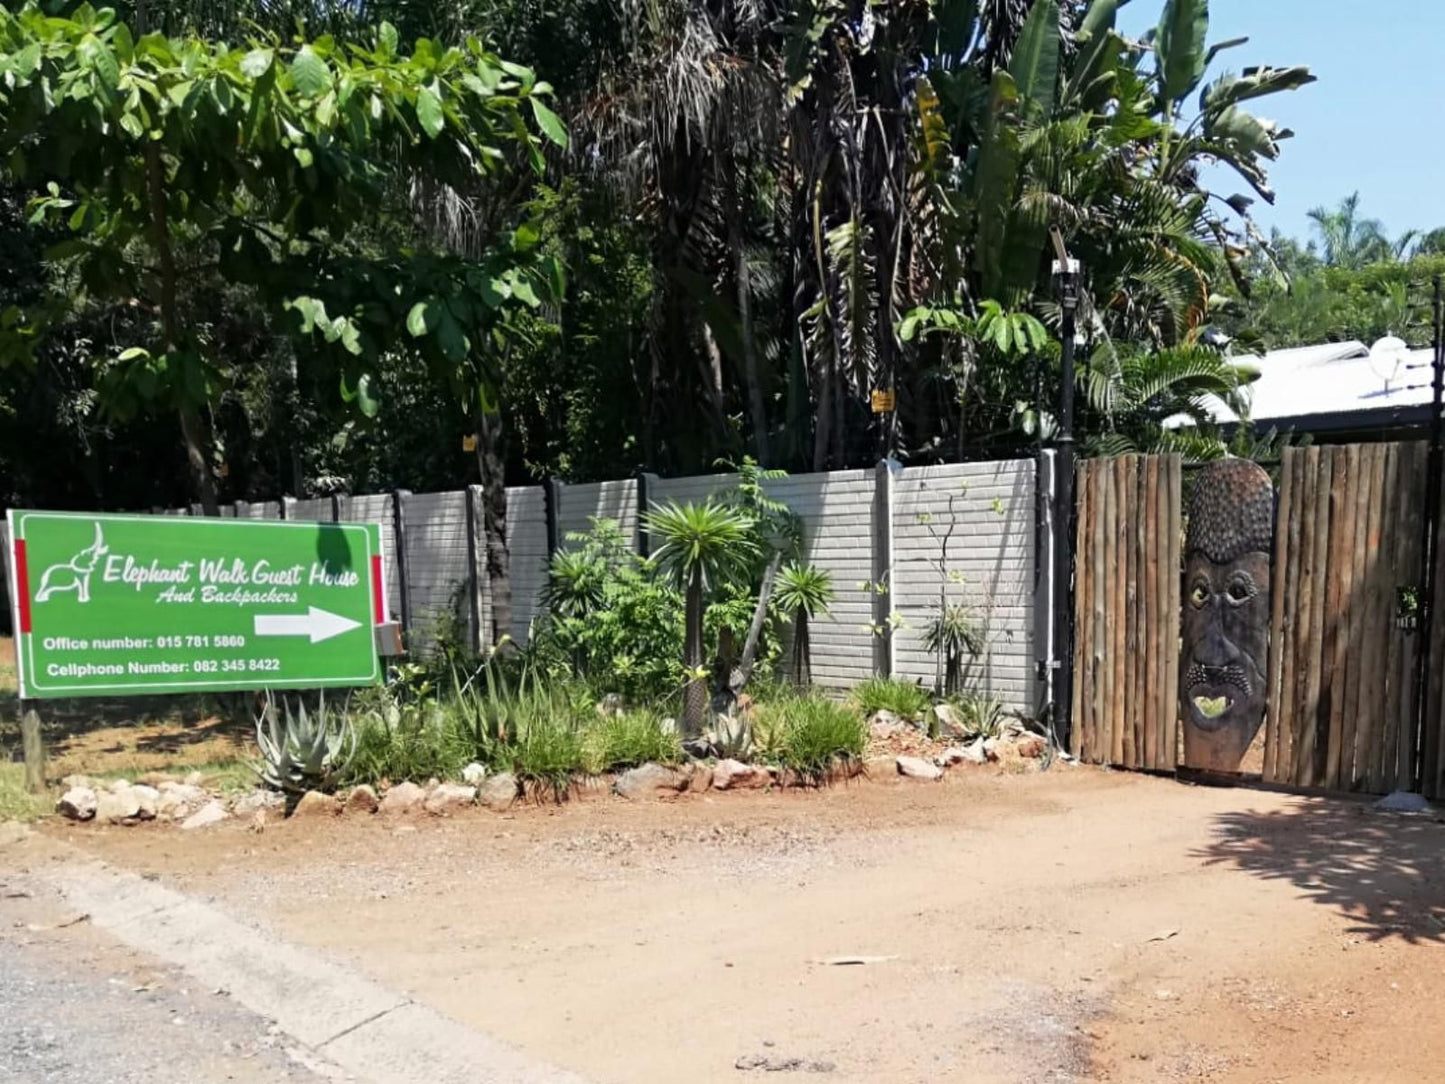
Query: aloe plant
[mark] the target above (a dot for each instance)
(733, 738)
(302, 750)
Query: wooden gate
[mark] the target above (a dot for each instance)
(1126, 612)
(1342, 667)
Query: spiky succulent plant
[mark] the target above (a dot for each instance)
(302, 750)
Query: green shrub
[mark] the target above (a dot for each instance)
(544, 755)
(301, 749)
(981, 715)
(415, 741)
(625, 741)
(811, 735)
(905, 699)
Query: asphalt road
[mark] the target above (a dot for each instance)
(76, 1007)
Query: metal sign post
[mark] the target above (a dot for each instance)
(140, 605)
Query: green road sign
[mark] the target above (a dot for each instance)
(117, 605)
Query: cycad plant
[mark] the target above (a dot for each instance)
(804, 591)
(303, 750)
(702, 544)
(950, 635)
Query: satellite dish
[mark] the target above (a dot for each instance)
(1387, 357)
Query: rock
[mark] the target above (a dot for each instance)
(116, 807)
(473, 773)
(449, 798)
(260, 798)
(499, 791)
(195, 779)
(78, 803)
(949, 757)
(1399, 801)
(878, 767)
(991, 748)
(884, 724)
(315, 804)
(950, 723)
(699, 778)
(918, 768)
(610, 706)
(213, 812)
(178, 801)
(650, 781)
(118, 786)
(403, 798)
(668, 725)
(149, 799)
(975, 753)
(362, 799)
(698, 748)
(1030, 746)
(735, 775)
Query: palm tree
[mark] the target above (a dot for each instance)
(701, 545)
(804, 591)
(1351, 241)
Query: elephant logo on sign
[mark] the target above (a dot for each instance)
(74, 575)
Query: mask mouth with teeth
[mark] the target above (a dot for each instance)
(1226, 613)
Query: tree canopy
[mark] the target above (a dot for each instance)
(331, 239)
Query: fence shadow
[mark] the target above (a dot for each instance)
(1383, 872)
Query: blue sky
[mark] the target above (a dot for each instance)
(1375, 121)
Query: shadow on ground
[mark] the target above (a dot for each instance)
(1384, 872)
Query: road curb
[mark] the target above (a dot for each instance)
(371, 1032)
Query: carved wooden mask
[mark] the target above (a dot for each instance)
(1225, 656)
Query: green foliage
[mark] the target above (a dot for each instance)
(626, 636)
(625, 740)
(954, 632)
(804, 589)
(905, 699)
(303, 750)
(813, 735)
(406, 740)
(980, 715)
(709, 541)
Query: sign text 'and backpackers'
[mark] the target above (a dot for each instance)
(115, 605)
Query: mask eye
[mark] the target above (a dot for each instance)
(1241, 589)
(1198, 595)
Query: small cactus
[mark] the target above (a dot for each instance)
(302, 750)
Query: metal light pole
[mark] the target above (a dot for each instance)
(1066, 272)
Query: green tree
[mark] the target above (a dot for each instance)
(1348, 240)
(803, 592)
(702, 545)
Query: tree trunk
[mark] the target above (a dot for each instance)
(823, 433)
(738, 679)
(494, 524)
(802, 652)
(203, 486)
(695, 691)
(757, 405)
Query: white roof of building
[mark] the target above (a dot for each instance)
(1333, 378)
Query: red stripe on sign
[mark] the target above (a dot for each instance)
(378, 599)
(22, 585)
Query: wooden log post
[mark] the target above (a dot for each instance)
(33, 747)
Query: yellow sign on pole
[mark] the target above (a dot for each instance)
(884, 401)
(469, 442)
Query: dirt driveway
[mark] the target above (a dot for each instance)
(1076, 925)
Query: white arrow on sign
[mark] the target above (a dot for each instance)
(316, 623)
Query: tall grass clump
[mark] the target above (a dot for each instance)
(405, 741)
(615, 742)
(905, 699)
(812, 735)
